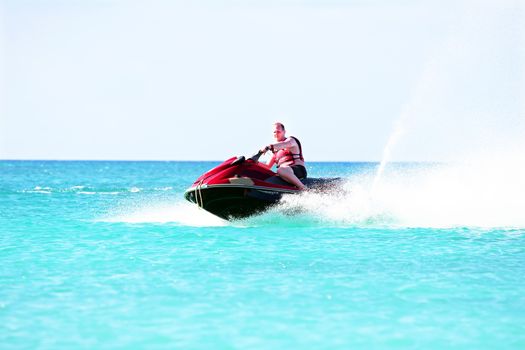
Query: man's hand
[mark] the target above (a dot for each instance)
(264, 149)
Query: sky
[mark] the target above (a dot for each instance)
(205, 80)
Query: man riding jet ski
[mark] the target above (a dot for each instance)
(288, 156)
(241, 187)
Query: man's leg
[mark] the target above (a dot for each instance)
(287, 173)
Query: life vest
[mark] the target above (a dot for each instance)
(285, 155)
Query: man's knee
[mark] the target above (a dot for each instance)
(283, 170)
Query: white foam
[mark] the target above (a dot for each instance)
(39, 189)
(489, 193)
(182, 213)
(168, 188)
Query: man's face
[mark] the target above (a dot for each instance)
(278, 132)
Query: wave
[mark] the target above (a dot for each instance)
(94, 190)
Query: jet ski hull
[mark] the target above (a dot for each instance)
(233, 202)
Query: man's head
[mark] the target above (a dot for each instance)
(279, 133)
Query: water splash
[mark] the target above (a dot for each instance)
(482, 193)
(422, 92)
(180, 213)
(487, 191)
(455, 84)
(387, 151)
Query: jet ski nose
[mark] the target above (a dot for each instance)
(239, 160)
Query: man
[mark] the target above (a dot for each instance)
(288, 156)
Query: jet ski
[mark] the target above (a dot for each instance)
(241, 187)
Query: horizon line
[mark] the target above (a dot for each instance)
(201, 160)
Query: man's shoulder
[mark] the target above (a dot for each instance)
(293, 139)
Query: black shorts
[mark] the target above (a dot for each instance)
(299, 171)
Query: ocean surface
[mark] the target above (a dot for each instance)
(109, 255)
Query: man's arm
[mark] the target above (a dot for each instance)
(271, 162)
(289, 142)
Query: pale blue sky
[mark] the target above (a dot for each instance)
(205, 80)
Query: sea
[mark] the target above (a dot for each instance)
(109, 255)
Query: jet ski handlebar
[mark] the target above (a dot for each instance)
(256, 156)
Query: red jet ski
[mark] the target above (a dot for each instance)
(241, 187)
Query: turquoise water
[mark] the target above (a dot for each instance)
(109, 255)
